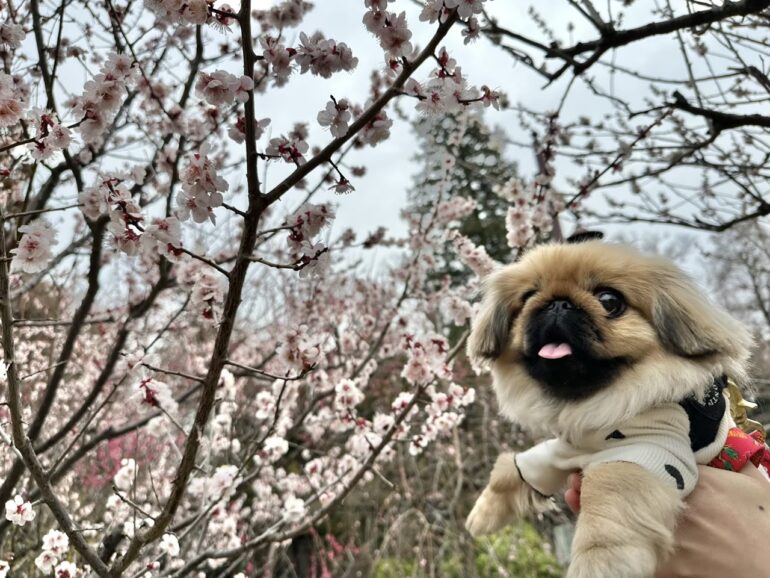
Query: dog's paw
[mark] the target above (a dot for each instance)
(613, 562)
(490, 513)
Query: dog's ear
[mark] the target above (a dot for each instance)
(689, 324)
(491, 329)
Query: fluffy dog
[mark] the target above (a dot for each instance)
(620, 360)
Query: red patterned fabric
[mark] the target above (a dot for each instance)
(741, 448)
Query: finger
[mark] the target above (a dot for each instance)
(575, 481)
(572, 498)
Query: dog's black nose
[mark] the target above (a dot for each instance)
(559, 305)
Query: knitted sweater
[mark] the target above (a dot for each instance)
(668, 441)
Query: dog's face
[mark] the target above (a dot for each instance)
(578, 319)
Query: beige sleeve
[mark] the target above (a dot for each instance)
(542, 465)
(724, 529)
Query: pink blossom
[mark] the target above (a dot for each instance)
(432, 11)
(394, 37)
(475, 257)
(323, 56)
(102, 97)
(298, 350)
(465, 8)
(220, 87)
(176, 12)
(207, 294)
(12, 100)
(237, 132)
(279, 57)
(377, 129)
(307, 222)
(50, 137)
(11, 35)
(457, 310)
(347, 395)
(490, 97)
(290, 150)
(35, 249)
(287, 14)
(202, 189)
(161, 233)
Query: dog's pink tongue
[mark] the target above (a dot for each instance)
(555, 350)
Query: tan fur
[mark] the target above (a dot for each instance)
(505, 499)
(626, 523)
(676, 343)
(666, 316)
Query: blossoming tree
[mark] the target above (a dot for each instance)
(195, 374)
(222, 394)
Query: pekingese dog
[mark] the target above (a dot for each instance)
(619, 359)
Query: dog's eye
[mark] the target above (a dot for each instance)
(612, 301)
(527, 296)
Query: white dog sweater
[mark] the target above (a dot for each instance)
(659, 440)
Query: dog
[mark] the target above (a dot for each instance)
(620, 361)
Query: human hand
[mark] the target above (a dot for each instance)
(722, 532)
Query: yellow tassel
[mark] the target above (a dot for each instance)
(738, 411)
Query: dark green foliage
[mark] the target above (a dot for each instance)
(480, 167)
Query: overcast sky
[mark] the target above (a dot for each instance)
(382, 193)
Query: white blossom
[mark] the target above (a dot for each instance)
(18, 511)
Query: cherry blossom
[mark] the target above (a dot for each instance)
(56, 542)
(35, 249)
(336, 116)
(294, 509)
(46, 561)
(474, 256)
(207, 294)
(169, 545)
(286, 14)
(314, 259)
(299, 350)
(11, 35)
(279, 57)
(102, 97)
(18, 511)
(238, 131)
(220, 87)
(376, 130)
(12, 99)
(465, 8)
(472, 30)
(51, 136)
(189, 12)
(242, 373)
(323, 57)
(202, 189)
(291, 150)
(66, 570)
